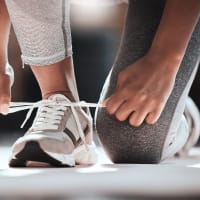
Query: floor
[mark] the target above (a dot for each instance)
(170, 180)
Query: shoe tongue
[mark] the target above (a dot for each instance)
(58, 97)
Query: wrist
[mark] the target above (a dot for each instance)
(166, 57)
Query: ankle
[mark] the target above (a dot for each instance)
(68, 94)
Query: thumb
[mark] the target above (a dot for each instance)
(4, 105)
(4, 94)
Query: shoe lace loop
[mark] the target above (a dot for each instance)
(50, 113)
(48, 117)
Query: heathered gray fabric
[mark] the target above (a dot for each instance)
(122, 142)
(42, 28)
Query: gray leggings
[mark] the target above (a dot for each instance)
(43, 31)
(147, 143)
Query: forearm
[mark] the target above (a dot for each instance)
(4, 33)
(175, 29)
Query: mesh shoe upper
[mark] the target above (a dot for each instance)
(57, 128)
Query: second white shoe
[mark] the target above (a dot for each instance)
(192, 116)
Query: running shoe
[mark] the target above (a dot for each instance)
(60, 136)
(192, 116)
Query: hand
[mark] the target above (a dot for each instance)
(4, 93)
(142, 90)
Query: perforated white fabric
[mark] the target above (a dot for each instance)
(42, 28)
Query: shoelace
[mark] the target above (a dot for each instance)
(46, 113)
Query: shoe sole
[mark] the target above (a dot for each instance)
(32, 155)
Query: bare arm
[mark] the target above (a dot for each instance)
(141, 92)
(175, 29)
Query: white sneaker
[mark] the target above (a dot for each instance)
(60, 136)
(192, 116)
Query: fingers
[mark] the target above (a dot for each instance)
(154, 115)
(135, 114)
(124, 111)
(4, 94)
(113, 103)
(137, 118)
(4, 105)
(136, 111)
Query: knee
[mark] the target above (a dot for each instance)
(126, 144)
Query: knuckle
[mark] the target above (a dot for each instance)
(143, 96)
(160, 100)
(156, 103)
(110, 111)
(120, 116)
(121, 76)
(125, 91)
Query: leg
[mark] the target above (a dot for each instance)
(145, 144)
(47, 46)
(59, 134)
(62, 82)
(5, 79)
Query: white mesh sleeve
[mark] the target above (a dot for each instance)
(42, 28)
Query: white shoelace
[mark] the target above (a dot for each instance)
(50, 113)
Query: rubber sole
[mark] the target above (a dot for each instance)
(32, 155)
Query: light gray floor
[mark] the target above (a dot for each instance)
(176, 177)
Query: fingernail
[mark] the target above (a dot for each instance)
(4, 109)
